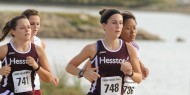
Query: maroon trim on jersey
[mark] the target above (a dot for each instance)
(108, 63)
(18, 63)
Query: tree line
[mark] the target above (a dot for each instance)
(122, 3)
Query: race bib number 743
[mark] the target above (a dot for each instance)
(111, 85)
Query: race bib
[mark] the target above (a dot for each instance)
(129, 86)
(111, 85)
(22, 81)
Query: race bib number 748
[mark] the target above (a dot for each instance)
(111, 85)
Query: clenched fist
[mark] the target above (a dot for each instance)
(5, 70)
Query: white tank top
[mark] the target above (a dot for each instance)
(38, 42)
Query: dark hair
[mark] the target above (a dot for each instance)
(128, 15)
(30, 12)
(107, 13)
(10, 25)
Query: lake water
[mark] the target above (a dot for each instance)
(168, 61)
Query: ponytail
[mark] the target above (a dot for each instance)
(11, 25)
(5, 31)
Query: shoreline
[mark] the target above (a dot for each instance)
(154, 8)
(79, 29)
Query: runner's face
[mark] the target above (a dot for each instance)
(22, 30)
(129, 30)
(35, 24)
(114, 26)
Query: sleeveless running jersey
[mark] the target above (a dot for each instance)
(20, 81)
(136, 48)
(108, 63)
(38, 42)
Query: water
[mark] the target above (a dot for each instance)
(168, 25)
(168, 61)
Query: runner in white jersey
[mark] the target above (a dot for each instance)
(129, 84)
(38, 42)
(128, 35)
(34, 19)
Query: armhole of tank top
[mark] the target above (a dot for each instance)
(126, 48)
(33, 48)
(135, 45)
(97, 49)
(8, 48)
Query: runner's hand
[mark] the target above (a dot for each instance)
(5, 70)
(126, 68)
(145, 71)
(31, 62)
(55, 80)
(91, 75)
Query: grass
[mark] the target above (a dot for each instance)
(64, 87)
